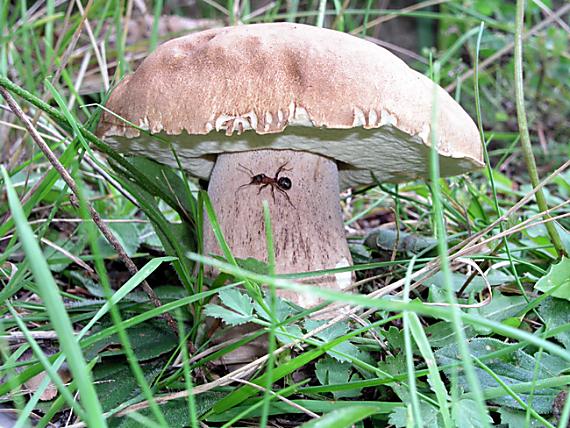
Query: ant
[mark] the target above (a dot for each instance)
(282, 184)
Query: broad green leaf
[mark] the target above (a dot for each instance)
(229, 317)
(557, 277)
(292, 330)
(176, 238)
(169, 185)
(564, 237)
(395, 365)
(495, 277)
(487, 7)
(240, 307)
(283, 309)
(441, 334)
(128, 235)
(403, 417)
(346, 348)
(148, 340)
(151, 339)
(390, 239)
(554, 363)
(96, 338)
(556, 313)
(537, 236)
(236, 300)
(149, 238)
(394, 337)
(500, 308)
(175, 412)
(331, 372)
(514, 368)
(74, 245)
(116, 384)
(465, 415)
(333, 332)
(341, 418)
(512, 418)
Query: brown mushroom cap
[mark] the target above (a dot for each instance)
(289, 86)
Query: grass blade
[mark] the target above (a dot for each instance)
(415, 402)
(59, 318)
(443, 252)
(342, 417)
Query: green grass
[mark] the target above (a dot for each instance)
(424, 355)
(54, 306)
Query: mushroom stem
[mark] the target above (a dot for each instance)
(308, 231)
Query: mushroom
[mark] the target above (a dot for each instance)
(288, 113)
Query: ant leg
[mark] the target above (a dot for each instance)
(242, 186)
(245, 185)
(245, 169)
(287, 196)
(282, 168)
(273, 193)
(261, 188)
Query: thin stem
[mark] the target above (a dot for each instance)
(523, 128)
(105, 230)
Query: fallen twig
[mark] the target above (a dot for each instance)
(131, 267)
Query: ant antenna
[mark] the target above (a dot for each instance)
(245, 169)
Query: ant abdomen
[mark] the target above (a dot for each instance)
(284, 183)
